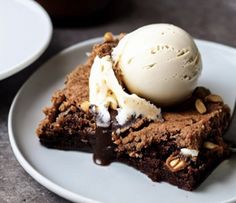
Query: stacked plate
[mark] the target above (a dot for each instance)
(25, 33)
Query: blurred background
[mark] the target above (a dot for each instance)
(211, 19)
(78, 20)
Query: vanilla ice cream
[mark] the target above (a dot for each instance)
(105, 92)
(159, 62)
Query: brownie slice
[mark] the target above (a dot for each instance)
(157, 149)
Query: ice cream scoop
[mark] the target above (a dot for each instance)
(159, 62)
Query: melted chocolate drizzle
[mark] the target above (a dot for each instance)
(103, 148)
(103, 151)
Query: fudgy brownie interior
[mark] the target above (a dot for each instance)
(154, 148)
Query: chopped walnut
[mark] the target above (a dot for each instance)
(175, 163)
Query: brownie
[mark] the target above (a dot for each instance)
(156, 148)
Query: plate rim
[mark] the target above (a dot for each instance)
(25, 164)
(30, 4)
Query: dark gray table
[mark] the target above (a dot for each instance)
(205, 19)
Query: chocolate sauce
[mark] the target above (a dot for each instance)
(103, 148)
(103, 151)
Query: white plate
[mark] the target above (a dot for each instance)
(25, 33)
(74, 176)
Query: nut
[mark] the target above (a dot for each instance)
(85, 106)
(175, 164)
(108, 37)
(200, 106)
(210, 145)
(214, 98)
(201, 92)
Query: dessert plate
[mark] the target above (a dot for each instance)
(25, 33)
(74, 176)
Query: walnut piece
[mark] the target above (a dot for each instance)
(210, 145)
(201, 92)
(108, 37)
(175, 163)
(85, 106)
(214, 98)
(200, 106)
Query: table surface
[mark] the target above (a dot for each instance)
(213, 20)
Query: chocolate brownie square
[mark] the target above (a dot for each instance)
(183, 148)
